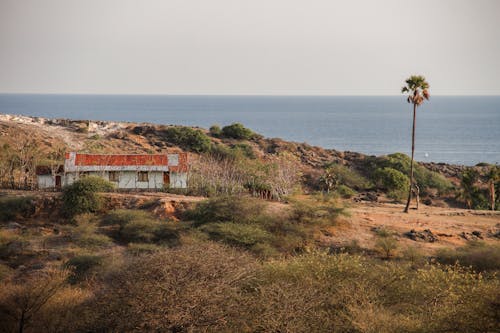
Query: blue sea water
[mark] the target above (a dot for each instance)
(458, 130)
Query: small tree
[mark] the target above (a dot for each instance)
(416, 87)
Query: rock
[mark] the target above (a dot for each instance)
(426, 236)
(477, 234)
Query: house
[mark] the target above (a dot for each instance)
(137, 172)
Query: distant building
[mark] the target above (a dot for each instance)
(142, 172)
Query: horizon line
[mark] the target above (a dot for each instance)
(239, 95)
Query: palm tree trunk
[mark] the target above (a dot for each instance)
(492, 194)
(412, 154)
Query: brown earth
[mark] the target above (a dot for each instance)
(451, 227)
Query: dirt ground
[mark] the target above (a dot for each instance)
(452, 227)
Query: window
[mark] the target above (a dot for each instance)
(84, 174)
(114, 176)
(142, 176)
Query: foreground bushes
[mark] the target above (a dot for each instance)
(207, 287)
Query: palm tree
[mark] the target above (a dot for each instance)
(417, 89)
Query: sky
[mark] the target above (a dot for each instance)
(257, 47)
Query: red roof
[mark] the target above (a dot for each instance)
(119, 160)
(131, 160)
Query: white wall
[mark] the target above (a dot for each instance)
(128, 179)
(178, 180)
(45, 181)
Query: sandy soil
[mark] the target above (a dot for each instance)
(449, 225)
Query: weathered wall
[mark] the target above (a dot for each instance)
(45, 181)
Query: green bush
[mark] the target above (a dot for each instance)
(393, 181)
(81, 265)
(245, 149)
(226, 209)
(401, 162)
(215, 131)
(347, 176)
(187, 138)
(244, 235)
(478, 255)
(83, 196)
(15, 207)
(237, 131)
(346, 192)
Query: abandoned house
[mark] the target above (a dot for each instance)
(141, 172)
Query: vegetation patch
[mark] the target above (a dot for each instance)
(476, 254)
(12, 208)
(133, 226)
(83, 196)
(187, 138)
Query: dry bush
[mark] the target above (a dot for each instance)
(478, 255)
(39, 302)
(191, 288)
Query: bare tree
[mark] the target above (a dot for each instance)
(22, 300)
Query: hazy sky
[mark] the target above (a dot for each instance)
(322, 47)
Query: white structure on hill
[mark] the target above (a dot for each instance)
(141, 172)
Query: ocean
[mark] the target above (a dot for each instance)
(450, 129)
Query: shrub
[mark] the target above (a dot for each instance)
(245, 149)
(346, 192)
(237, 131)
(141, 248)
(192, 288)
(81, 266)
(226, 209)
(138, 226)
(386, 246)
(392, 180)
(85, 233)
(83, 196)
(187, 138)
(15, 207)
(123, 216)
(316, 211)
(215, 131)
(414, 255)
(401, 162)
(243, 235)
(11, 245)
(347, 176)
(478, 255)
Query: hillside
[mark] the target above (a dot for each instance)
(329, 250)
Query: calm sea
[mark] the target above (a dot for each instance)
(459, 130)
